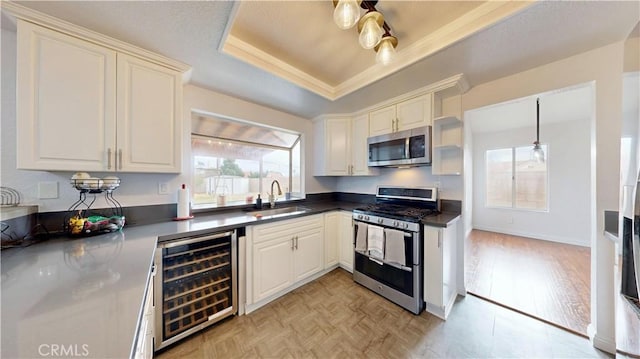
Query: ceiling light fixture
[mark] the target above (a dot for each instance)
(346, 13)
(537, 154)
(374, 32)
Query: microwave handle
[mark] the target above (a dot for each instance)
(407, 148)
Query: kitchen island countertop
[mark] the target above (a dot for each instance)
(84, 296)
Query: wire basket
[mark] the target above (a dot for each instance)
(81, 220)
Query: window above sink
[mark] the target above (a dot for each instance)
(233, 162)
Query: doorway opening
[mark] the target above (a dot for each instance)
(529, 248)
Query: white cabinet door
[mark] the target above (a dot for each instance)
(433, 266)
(359, 148)
(346, 241)
(308, 256)
(149, 125)
(338, 148)
(382, 121)
(414, 113)
(272, 267)
(331, 239)
(440, 277)
(66, 93)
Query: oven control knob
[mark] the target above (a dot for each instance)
(380, 220)
(406, 225)
(396, 224)
(366, 218)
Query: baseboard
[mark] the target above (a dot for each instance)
(248, 308)
(605, 344)
(564, 240)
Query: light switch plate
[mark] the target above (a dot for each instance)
(163, 188)
(47, 190)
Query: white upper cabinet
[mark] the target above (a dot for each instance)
(412, 113)
(341, 146)
(66, 101)
(86, 107)
(382, 121)
(148, 130)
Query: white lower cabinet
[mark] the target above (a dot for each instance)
(144, 344)
(345, 225)
(332, 238)
(338, 240)
(440, 269)
(283, 253)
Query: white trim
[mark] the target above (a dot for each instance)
(254, 306)
(468, 24)
(606, 345)
(557, 239)
(85, 34)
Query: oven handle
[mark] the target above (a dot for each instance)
(378, 260)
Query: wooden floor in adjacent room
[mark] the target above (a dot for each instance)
(547, 280)
(335, 317)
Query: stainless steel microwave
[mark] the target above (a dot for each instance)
(403, 148)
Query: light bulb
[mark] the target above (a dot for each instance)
(346, 14)
(537, 154)
(386, 50)
(371, 30)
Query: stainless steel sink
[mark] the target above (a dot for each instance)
(278, 212)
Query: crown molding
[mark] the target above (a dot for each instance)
(479, 18)
(254, 56)
(53, 23)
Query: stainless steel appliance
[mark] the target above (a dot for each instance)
(396, 209)
(197, 281)
(403, 148)
(630, 286)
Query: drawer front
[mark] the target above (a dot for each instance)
(265, 232)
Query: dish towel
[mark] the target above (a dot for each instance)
(394, 246)
(375, 241)
(361, 237)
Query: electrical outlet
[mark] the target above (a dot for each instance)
(47, 190)
(163, 188)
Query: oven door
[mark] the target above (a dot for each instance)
(404, 279)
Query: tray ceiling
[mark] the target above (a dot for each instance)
(298, 41)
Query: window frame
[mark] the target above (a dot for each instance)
(294, 195)
(513, 206)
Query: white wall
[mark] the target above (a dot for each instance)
(603, 66)
(136, 189)
(568, 160)
(450, 186)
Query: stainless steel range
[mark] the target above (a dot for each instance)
(389, 237)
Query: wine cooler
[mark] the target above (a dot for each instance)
(197, 281)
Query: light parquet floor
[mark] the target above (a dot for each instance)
(547, 280)
(333, 317)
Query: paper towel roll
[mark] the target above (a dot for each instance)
(183, 202)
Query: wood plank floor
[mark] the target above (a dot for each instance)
(333, 317)
(545, 279)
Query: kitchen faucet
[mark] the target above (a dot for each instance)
(272, 198)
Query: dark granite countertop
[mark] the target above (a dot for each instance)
(88, 293)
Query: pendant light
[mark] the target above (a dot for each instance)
(386, 49)
(346, 13)
(370, 29)
(537, 154)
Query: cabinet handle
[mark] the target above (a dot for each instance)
(109, 158)
(292, 246)
(120, 157)
(296, 242)
(439, 240)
